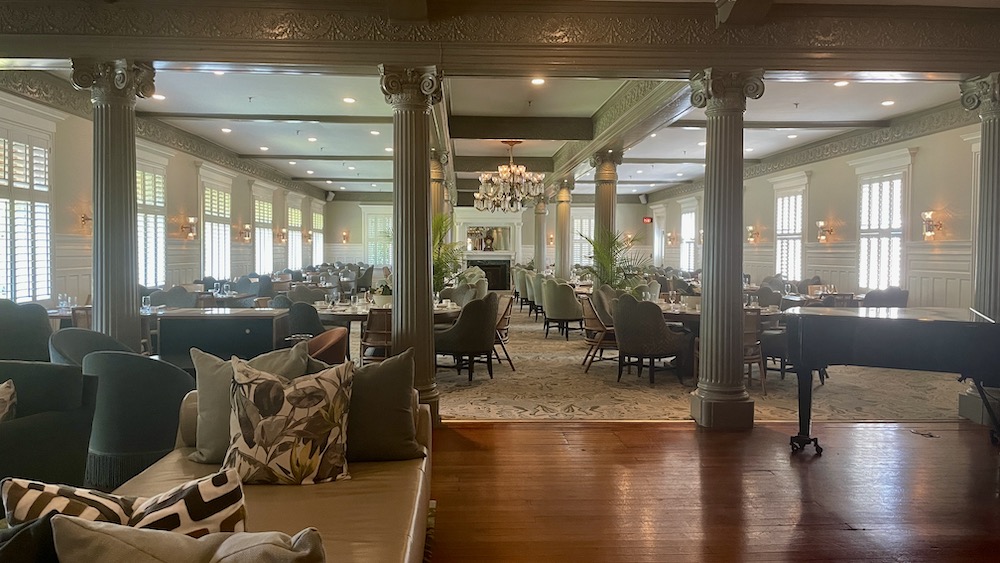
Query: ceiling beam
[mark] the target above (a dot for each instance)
(406, 11)
(534, 128)
(741, 12)
(333, 157)
(859, 124)
(677, 161)
(490, 163)
(346, 119)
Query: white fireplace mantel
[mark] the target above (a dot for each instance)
(466, 217)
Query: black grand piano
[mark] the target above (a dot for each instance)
(960, 341)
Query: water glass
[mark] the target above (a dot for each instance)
(647, 296)
(217, 288)
(63, 301)
(328, 297)
(226, 289)
(147, 304)
(71, 301)
(437, 297)
(354, 300)
(754, 302)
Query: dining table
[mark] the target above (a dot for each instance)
(344, 315)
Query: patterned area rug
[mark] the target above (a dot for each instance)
(550, 384)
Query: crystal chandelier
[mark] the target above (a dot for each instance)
(508, 187)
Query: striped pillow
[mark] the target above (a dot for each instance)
(8, 400)
(211, 504)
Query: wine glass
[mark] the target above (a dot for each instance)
(328, 297)
(146, 304)
(226, 289)
(217, 288)
(673, 296)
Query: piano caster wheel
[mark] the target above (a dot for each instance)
(799, 443)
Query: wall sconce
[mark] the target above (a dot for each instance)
(282, 235)
(701, 237)
(245, 233)
(84, 219)
(823, 231)
(552, 239)
(308, 237)
(753, 235)
(628, 239)
(344, 237)
(669, 238)
(189, 228)
(930, 225)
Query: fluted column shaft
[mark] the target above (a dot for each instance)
(721, 400)
(438, 206)
(606, 189)
(564, 231)
(411, 92)
(113, 86)
(983, 93)
(540, 212)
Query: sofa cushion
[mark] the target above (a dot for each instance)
(291, 432)
(380, 425)
(8, 400)
(25, 500)
(214, 379)
(80, 540)
(211, 504)
(29, 542)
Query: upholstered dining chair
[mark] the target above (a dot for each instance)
(303, 294)
(482, 286)
(176, 296)
(68, 346)
(365, 280)
(472, 336)
(889, 297)
(537, 283)
(654, 290)
(462, 293)
(135, 421)
(603, 301)
(522, 289)
(644, 335)
(561, 307)
(529, 290)
(26, 329)
(330, 346)
(376, 337)
(752, 354)
(598, 336)
(768, 297)
(504, 309)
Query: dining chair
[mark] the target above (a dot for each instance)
(472, 336)
(26, 329)
(752, 353)
(537, 281)
(642, 334)
(376, 336)
(596, 334)
(561, 307)
(504, 308)
(529, 290)
(68, 346)
(82, 317)
(889, 297)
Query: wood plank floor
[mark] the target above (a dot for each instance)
(654, 491)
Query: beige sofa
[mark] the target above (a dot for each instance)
(379, 514)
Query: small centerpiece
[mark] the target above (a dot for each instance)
(382, 295)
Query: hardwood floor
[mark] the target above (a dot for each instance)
(604, 491)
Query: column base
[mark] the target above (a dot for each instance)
(432, 398)
(722, 415)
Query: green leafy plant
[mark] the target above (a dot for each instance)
(615, 262)
(383, 289)
(446, 257)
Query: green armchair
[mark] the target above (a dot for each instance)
(26, 330)
(473, 334)
(55, 410)
(537, 283)
(561, 307)
(68, 346)
(643, 334)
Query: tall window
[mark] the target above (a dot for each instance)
(294, 238)
(217, 248)
(151, 223)
(688, 239)
(317, 229)
(263, 237)
(881, 236)
(788, 235)
(25, 215)
(583, 225)
(377, 222)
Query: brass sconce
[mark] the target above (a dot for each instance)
(701, 236)
(308, 237)
(84, 219)
(344, 237)
(552, 239)
(669, 238)
(823, 231)
(189, 228)
(753, 235)
(245, 233)
(628, 239)
(930, 225)
(282, 235)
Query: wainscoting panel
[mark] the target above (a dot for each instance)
(280, 257)
(939, 274)
(241, 259)
(183, 261)
(835, 263)
(758, 261)
(671, 256)
(341, 252)
(72, 266)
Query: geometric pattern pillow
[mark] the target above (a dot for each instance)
(25, 500)
(289, 432)
(8, 400)
(211, 504)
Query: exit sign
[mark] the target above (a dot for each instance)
(647, 220)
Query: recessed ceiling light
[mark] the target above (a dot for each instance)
(309, 172)
(329, 181)
(343, 187)
(841, 83)
(375, 133)
(350, 168)
(703, 143)
(638, 171)
(292, 162)
(159, 97)
(610, 151)
(226, 130)
(388, 149)
(538, 81)
(793, 136)
(652, 185)
(311, 139)
(218, 73)
(349, 100)
(264, 148)
(679, 174)
(888, 103)
(689, 128)
(374, 185)
(634, 190)
(748, 150)
(653, 135)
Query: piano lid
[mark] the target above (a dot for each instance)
(936, 314)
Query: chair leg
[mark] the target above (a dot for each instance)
(652, 364)
(783, 362)
(763, 376)
(506, 353)
(589, 361)
(565, 325)
(472, 366)
(489, 365)
(621, 364)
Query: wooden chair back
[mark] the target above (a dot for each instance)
(82, 317)
(377, 336)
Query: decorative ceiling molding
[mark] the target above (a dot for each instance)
(53, 91)
(564, 38)
(371, 197)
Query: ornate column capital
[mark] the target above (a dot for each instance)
(410, 87)
(540, 207)
(609, 156)
(719, 90)
(117, 80)
(982, 93)
(564, 195)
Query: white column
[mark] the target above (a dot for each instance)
(983, 93)
(564, 233)
(540, 212)
(113, 87)
(437, 162)
(606, 189)
(721, 400)
(411, 92)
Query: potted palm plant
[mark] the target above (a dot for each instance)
(615, 262)
(446, 257)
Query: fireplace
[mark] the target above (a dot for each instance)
(497, 272)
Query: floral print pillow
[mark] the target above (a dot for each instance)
(289, 431)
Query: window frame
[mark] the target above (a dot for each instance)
(151, 159)
(581, 252)
(212, 177)
(318, 242)
(790, 186)
(263, 240)
(369, 213)
(294, 251)
(688, 246)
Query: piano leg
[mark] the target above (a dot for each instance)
(995, 431)
(802, 440)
